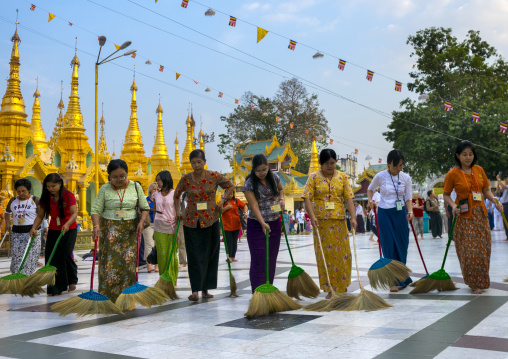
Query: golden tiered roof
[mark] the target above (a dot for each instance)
(39, 136)
(314, 162)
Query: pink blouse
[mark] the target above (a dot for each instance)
(164, 222)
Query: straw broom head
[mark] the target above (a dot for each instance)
(387, 272)
(367, 301)
(268, 299)
(232, 286)
(439, 280)
(165, 283)
(44, 276)
(87, 303)
(31, 291)
(300, 283)
(12, 283)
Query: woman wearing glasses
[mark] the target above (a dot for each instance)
(116, 222)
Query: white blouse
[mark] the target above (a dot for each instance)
(401, 184)
(24, 211)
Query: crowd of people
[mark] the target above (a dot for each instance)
(121, 215)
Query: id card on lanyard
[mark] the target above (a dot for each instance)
(121, 214)
(477, 196)
(329, 205)
(398, 202)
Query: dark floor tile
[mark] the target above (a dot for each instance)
(46, 307)
(484, 343)
(403, 356)
(409, 347)
(248, 334)
(431, 335)
(273, 321)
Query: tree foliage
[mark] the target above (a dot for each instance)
(472, 76)
(293, 105)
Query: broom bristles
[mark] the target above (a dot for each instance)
(167, 287)
(388, 275)
(264, 303)
(302, 285)
(430, 284)
(31, 291)
(232, 286)
(367, 301)
(12, 283)
(413, 284)
(82, 307)
(44, 276)
(147, 297)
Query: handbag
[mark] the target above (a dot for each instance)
(139, 211)
(152, 257)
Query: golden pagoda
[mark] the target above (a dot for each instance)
(177, 153)
(314, 162)
(104, 156)
(59, 123)
(189, 146)
(39, 143)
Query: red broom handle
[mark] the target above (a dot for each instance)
(377, 229)
(137, 255)
(416, 240)
(93, 263)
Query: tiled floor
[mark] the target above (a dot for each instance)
(453, 324)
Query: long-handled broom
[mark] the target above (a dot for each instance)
(46, 275)
(299, 282)
(267, 298)
(338, 300)
(139, 293)
(165, 282)
(421, 256)
(366, 300)
(87, 303)
(13, 283)
(232, 280)
(386, 272)
(439, 280)
(506, 225)
(3, 239)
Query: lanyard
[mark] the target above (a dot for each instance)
(398, 182)
(472, 180)
(26, 205)
(268, 190)
(118, 194)
(329, 185)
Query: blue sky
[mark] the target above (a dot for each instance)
(372, 34)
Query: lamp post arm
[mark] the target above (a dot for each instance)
(105, 60)
(108, 57)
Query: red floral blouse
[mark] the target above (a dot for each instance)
(199, 195)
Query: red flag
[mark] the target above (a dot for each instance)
(306, 130)
(331, 142)
(195, 81)
(277, 119)
(70, 24)
(292, 45)
(291, 125)
(356, 152)
(342, 65)
(185, 3)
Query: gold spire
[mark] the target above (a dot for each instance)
(314, 163)
(59, 121)
(201, 133)
(186, 166)
(193, 126)
(38, 134)
(160, 151)
(177, 153)
(73, 117)
(13, 100)
(104, 157)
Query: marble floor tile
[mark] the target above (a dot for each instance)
(466, 353)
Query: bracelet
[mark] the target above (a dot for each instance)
(97, 226)
(409, 212)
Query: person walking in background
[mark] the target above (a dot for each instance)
(285, 216)
(442, 212)
(432, 206)
(498, 217)
(300, 217)
(291, 222)
(148, 231)
(418, 214)
(490, 212)
(503, 186)
(307, 223)
(359, 218)
(231, 212)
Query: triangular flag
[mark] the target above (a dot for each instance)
(261, 33)
(50, 16)
(220, 94)
(331, 142)
(195, 82)
(177, 75)
(117, 47)
(161, 68)
(70, 24)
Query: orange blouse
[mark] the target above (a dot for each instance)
(464, 184)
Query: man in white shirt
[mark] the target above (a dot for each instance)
(300, 217)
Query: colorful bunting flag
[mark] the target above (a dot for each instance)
(261, 33)
(290, 125)
(370, 75)
(398, 86)
(161, 68)
(195, 82)
(342, 64)
(356, 151)
(252, 108)
(331, 142)
(447, 106)
(50, 16)
(70, 23)
(380, 161)
(277, 119)
(236, 101)
(292, 45)
(476, 117)
(133, 55)
(117, 47)
(232, 21)
(220, 94)
(32, 7)
(185, 3)
(177, 75)
(502, 127)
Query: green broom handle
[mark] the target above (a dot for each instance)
(450, 234)
(267, 257)
(225, 241)
(286, 236)
(27, 250)
(175, 236)
(54, 248)
(504, 217)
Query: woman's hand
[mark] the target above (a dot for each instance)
(456, 211)
(281, 203)
(65, 227)
(371, 203)
(95, 232)
(221, 203)
(265, 227)
(499, 207)
(141, 227)
(352, 220)
(409, 217)
(33, 231)
(314, 222)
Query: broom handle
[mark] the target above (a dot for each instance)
(137, 254)
(356, 260)
(286, 236)
(416, 240)
(324, 261)
(225, 242)
(93, 263)
(267, 257)
(502, 213)
(175, 236)
(377, 229)
(54, 248)
(27, 249)
(3, 239)
(450, 234)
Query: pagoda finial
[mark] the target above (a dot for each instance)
(177, 153)
(104, 157)
(39, 136)
(36, 93)
(73, 117)
(159, 147)
(133, 143)
(59, 121)
(314, 162)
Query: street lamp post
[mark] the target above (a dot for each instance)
(102, 41)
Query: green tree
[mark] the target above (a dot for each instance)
(473, 77)
(292, 105)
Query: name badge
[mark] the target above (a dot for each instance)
(118, 215)
(57, 221)
(276, 208)
(202, 206)
(21, 220)
(329, 205)
(477, 196)
(399, 205)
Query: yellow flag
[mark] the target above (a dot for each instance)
(261, 33)
(117, 47)
(50, 16)
(177, 75)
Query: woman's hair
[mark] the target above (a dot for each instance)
(197, 153)
(116, 164)
(23, 182)
(150, 188)
(429, 192)
(394, 157)
(46, 196)
(326, 154)
(167, 180)
(461, 147)
(257, 161)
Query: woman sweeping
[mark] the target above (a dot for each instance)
(165, 223)
(59, 203)
(232, 223)
(394, 211)
(148, 231)
(200, 221)
(23, 210)
(324, 195)
(472, 232)
(116, 223)
(265, 195)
